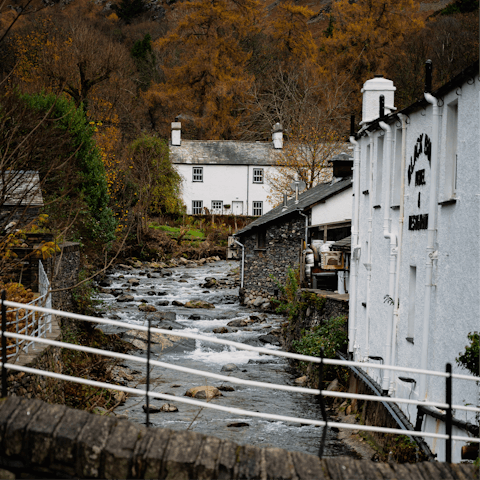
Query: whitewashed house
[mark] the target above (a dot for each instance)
(225, 177)
(414, 285)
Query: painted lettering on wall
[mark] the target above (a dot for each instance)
(420, 177)
(423, 145)
(418, 222)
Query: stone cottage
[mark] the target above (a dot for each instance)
(276, 241)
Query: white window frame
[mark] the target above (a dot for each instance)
(219, 208)
(197, 207)
(450, 187)
(258, 175)
(197, 174)
(256, 207)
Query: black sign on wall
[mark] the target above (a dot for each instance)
(418, 222)
(420, 177)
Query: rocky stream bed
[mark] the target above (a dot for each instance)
(202, 297)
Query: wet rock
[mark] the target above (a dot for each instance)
(237, 323)
(116, 292)
(210, 282)
(163, 303)
(161, 294)
(194, 317)
(146, 308)
(115, 317)
(167, 274)
(152, 409)
(168, 407)
(221, 330)
(258, 318)
(205, 392)
(125, 298)
(151, 293)
(106, 282)
(125, 267)
(226, 388)
(238, 424)
(272, 339)
(199, 304)
(134, 282)
(206, 291)
(229, 367)
(182, 281)
(178, 304)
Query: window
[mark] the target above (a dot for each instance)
(197, 207)
(198, 174)
(412, 289)
(217, 206)
(257, 208)
(397, 168)
(451, 152)
(258, 175)
(379, 168)
(261, 239)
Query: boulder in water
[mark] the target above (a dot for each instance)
(168, 407)
(178, 304)
(237, 323)
(146, 308)
(205, 392)
(199, 304)
(125, 298)
(229, 367)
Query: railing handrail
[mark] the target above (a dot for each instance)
(241, 346)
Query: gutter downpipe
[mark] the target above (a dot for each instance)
(243, 262)
(431, 254)
(306, 227)
(369, 248)
(396, 308)
(387, 233)
(355, 249)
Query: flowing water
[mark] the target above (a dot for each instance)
(183, 284)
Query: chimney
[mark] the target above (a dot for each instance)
(277, 136)
(176, 133)
(372, 90)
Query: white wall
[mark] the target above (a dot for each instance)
(228, 183)
(455, 304)
(336, 209)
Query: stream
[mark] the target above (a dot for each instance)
(125, 288)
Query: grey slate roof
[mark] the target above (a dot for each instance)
(21, 188)
(343, 244)
(223, 152)
(317, 194)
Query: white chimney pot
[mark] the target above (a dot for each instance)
(372, 89)
(176, 133)
(277, 136)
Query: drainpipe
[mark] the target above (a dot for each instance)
(352, 328)
(243, 262)
(368, 265)
(387, 155)
(306, 227)
(431, 253)
(396, 308)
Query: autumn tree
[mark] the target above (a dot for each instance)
(364, 33)
(204, 65)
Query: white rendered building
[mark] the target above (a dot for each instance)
(414, 278)
(225, 177)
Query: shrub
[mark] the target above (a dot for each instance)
(469, 358)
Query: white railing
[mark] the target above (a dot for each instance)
(321, 393)
(29, 323)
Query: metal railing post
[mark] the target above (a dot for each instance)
(322, 405)
(449, 416)
(4, 346)
(148, 371)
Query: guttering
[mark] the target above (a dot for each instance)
(387, 158)
(431, 255)
(396, 309)
(243, 262)
(355, 248)
(368, 265)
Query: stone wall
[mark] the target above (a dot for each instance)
(282, 250)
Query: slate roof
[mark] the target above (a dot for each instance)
(223, 152)
(317, 194)
(21, 188)
(343, 244)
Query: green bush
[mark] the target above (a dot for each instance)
(469, 358)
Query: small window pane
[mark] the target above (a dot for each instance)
(258, 208)
(198, 174)
(197, 207)
(258, 175)
(217, 206)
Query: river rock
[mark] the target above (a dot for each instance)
(221, 330)
(134, 282)
(182, 281)
(125, 298)
(168, 407)
(178, 304)
(146, 308)
(301, 380)
(226, 388)
(237, 323)
(152, 409)
(238, 424)
(194, 317)
(229, 367)
(210, 282)
(161, 294)
(205, 392)
(272, 339)
(125, 267)
(258, 301)
(106, 282)
(167, 274)
(199, 304)
(116, 292)
(151, 292)
(163, 303)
